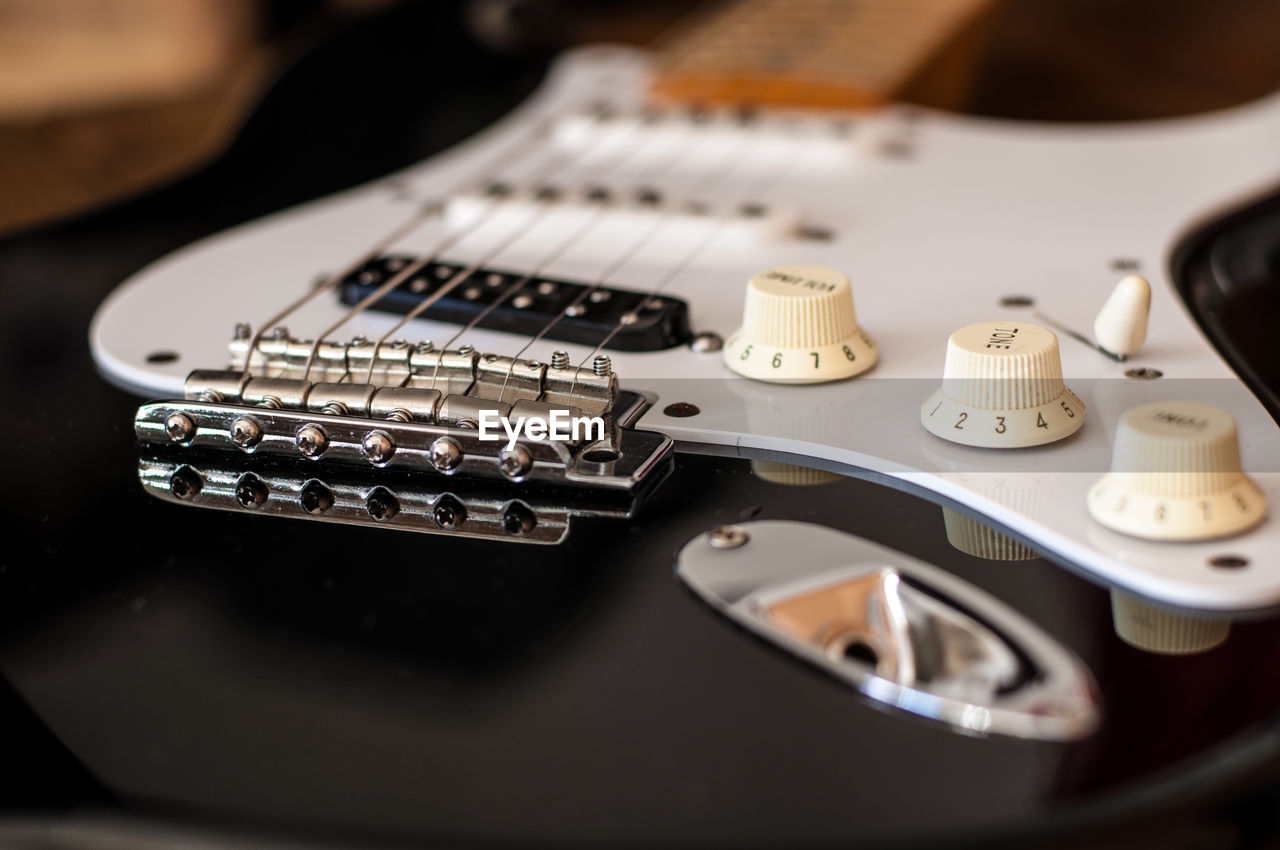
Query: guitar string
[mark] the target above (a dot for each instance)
(621, 261)
(593, 177)
(759, 187)
(560, 250)
(492, 205)
(509, 156)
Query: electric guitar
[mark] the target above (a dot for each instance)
(651, 469)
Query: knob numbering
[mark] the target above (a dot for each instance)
(799, 327)
(1002, 389)
(1176, 475)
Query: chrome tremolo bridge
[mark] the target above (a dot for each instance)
(394, 409)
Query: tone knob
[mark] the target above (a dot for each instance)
(1002, 389)
(1176, 475)
(799, 327)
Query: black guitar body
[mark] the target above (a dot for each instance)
(169, 671)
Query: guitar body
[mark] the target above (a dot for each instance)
(223, 673)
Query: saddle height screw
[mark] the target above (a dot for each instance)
(179, 427)
(515, 462)
(246, 433)
(602, 366)
(727, 537)
(559, 360)
(446, 454)
(242, 331)
(311, 441)
(378, 447)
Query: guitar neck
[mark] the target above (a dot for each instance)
(824, 53)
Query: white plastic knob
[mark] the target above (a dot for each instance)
(799, 327)
(1121, 325)
(1002, 388)
(1160, 630)
(1176, 475)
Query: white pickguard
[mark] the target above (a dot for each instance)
(979, 210)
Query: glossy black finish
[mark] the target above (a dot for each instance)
(362, 686)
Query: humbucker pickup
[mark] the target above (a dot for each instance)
(587, 314)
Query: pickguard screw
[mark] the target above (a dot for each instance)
(559, 360)
(246, 433)
(727, 537)
(378, 447)
(315, 498)
(602, 366)
(1143, 373)
(704, 342)
(179, 427)
(311, 440)
(185, 483)
(250, 491)
(446, 454)
(681, 410)
(382, 504)
(514, 462)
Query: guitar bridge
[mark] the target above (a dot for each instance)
(416, 410)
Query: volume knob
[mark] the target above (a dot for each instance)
(799, 327)
(1002, 388)
(1176, 475)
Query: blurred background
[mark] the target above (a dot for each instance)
(105, 99)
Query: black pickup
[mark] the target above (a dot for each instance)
(588, 314)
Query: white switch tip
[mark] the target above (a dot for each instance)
(1121, 325)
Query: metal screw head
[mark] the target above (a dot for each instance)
(378, 447)
(179, 427)
(315, 497)
(518, 519)
(445, 454)
(727, 537)
(706, 342)
(185, 483)
(246, 432)
(515, 462)
(449, 512)
(382, 504)
(311, 440)
(242, 331)
(250, 491)
(602, 366)
(280, 332)
(559, 360)
(1143, 373)
(425, 347)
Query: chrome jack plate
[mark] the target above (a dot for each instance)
(904, 633)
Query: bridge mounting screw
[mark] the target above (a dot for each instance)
(185, 483)
(246, 432)
(242, 331)
(378, 447)
(559, 360)
(250, 491)
(602, 366)
(179, 427)
(311, 440)
(515, 462)
(446, 454)
(727, 537)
